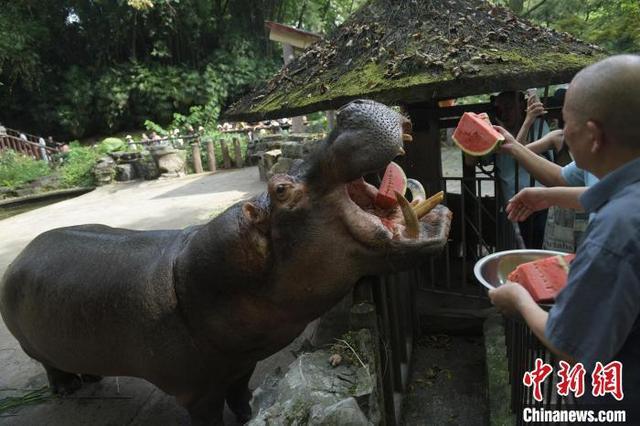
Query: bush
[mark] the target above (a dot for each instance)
(112, 145)
(17, 169)
(77, 167)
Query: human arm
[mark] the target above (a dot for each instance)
(535, 109)
(512, 299)
(551, 140)
(533, 199)
(543, 170)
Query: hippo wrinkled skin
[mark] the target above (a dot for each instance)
(193, 310)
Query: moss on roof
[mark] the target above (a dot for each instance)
(408, 51)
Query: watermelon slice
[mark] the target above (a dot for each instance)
(393, 180)
(543, 278)
(475, 135)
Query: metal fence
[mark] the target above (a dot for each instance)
(385, 305)
(523, 348)
(479, 227)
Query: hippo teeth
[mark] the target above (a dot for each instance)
(410, 219)
(407, 137)
(425, 206)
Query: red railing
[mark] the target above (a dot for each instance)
(25, 144)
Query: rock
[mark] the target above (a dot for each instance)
(170, 162)
(345, 412)
(313, 392)
(292, 149)
(104, 170)
(125, 172)
(282, 166)
(268, 160)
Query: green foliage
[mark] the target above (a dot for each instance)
(112, 145)
(73, 69)
(17, 169)
(614, 25)
(77, 167)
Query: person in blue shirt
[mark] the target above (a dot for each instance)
(595, 318)
(563, 185)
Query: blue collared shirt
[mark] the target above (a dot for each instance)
(575, 176)
(595, 318)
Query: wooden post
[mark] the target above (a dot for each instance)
(197, 162)
(238, 152)
(422, 161)
(226, 160)
(331, 119)
(211, 156)
(297, 125)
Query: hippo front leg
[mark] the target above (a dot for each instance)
(238, 397)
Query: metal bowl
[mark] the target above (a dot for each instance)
(492, 270)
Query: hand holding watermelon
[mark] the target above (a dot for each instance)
(509, 143)
(508, 298)
(475, 135)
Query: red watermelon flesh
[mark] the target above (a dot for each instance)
(543, 278)
(475, 135)
(393, 180)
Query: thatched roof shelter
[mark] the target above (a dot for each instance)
(413, 51)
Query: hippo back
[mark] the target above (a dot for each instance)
(108, 291)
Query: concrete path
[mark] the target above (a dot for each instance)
(166, 204)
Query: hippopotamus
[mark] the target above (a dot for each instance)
(193, 310)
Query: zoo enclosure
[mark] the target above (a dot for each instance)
(387, 305)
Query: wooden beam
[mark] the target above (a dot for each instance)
(291, 35)
(423, 159)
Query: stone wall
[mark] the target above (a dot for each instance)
(276, 153)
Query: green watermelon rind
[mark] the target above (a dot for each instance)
(489, 150)
(496, 144)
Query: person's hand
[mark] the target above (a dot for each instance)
(508, 298)
(534, 110)
(527, 201)
(509, 143)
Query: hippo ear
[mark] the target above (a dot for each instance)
(255, 215)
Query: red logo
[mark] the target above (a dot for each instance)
(571, 379)
(608, 379)
(536, 377)
(605, 379)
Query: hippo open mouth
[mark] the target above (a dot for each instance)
(367, 137)
(406, 224)
(400, 222)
